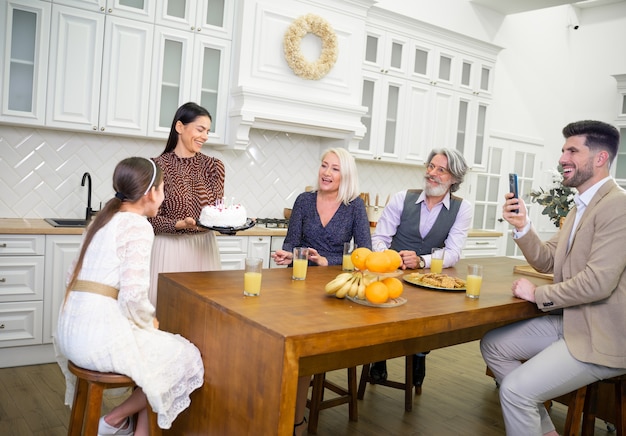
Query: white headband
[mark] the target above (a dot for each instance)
(154, 171)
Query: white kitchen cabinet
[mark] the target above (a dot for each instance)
(432, 64)
(480, 246)
(142, 10)
(189, 67)
(202, 16)
(384, 97)
(21, 290)
(386, 52)
(471, 130)
(99, 76)
(431, 111)
(24, 61)
(61, 250)
(259, 246)
(233, 251)
(424, 87)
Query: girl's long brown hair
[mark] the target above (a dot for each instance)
(131, 178)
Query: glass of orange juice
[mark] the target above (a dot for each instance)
(300, 263)
(474, 280)
(347, 264)
(436, 260)
(252, 276)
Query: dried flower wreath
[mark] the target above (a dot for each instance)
(316, 25)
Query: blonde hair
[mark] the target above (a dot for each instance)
(349, 184)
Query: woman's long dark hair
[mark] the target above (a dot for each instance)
(131, 181)
(186, 114)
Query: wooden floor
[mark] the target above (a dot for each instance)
(457, 399)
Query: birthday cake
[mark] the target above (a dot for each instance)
(223, 216)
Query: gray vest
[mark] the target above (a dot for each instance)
(408, 236)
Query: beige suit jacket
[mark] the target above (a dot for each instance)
(589, 278)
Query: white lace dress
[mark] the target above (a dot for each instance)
(103, 334)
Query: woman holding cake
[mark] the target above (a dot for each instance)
(324, 220)
(192, 180)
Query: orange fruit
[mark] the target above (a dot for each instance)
(358, 257)
(378, 261)
(394, 258)
(376, 293)
(394, 286)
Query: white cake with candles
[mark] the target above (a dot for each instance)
(222, 215)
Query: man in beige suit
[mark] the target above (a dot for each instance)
(582, 338)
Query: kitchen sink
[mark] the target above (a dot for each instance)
(66, 222)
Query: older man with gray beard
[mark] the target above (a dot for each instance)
(415, 221)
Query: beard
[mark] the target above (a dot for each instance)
(436, 191)
(581, 175)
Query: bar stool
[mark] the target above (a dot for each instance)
(584, 401)
(317, 402)
(407, 386)
(87, 405)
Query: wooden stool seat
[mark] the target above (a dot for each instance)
(345, 396)
(87, 405)
(584, 402)
(407, 386)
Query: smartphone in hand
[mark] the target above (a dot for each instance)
(513, 187)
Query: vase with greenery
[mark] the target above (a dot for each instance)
(557, 200)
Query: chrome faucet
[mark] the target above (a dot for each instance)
(89, 211)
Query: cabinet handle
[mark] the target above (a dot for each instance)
(102, 9)
(94, 128)
(3, 279)
(482, 243)
(199, 29)
(3, 245)
(1, 326)
(102, 129)
(193, 27)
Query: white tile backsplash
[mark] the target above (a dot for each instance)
(41, 170)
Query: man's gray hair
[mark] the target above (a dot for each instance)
(456, 165)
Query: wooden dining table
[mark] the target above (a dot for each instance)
(254, 348)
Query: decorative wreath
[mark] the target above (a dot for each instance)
(316, 25)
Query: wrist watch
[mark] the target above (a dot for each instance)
(421, 263)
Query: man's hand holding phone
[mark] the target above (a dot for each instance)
(514, 209)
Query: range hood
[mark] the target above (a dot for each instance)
(256, 109)
(266, 94)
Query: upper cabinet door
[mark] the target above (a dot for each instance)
(476, 77)
(211, 68)
(75, 68)
(386, 53)
(99, 74)
(200, 16)
(125, 91)
(171, 77)
(141, 10)
(24, 61)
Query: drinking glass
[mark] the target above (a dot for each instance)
(300, 263)
(252, 276)
(474, 280)
(347, 264)
(436, 260)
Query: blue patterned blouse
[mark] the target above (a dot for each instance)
(306, 229)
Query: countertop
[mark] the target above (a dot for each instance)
(38, 226)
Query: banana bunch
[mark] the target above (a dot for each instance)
(349, 284)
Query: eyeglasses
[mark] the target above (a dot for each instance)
(440, 170)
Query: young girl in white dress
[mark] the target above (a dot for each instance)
(107, 322)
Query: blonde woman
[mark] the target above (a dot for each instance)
(323, 220)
